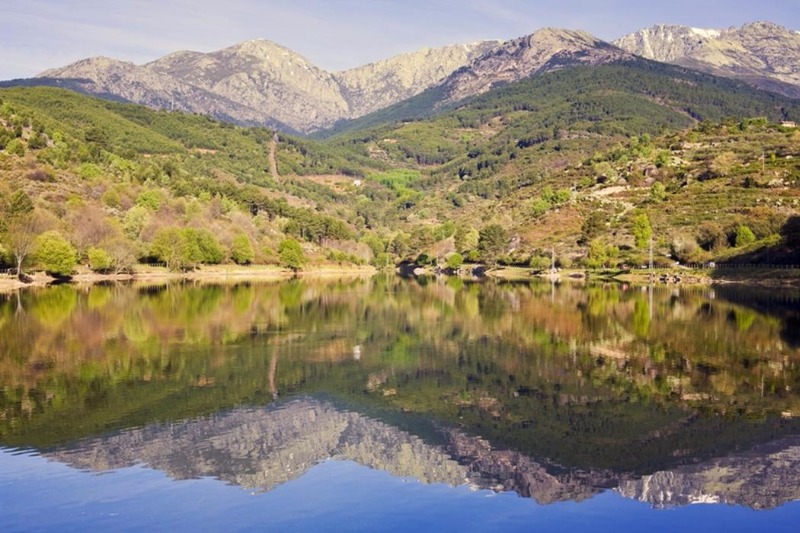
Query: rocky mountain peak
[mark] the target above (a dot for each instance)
(667, 42)
(380, 84)
(88, 67)
(764, 54)
(542, 51)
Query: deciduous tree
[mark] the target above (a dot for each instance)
(56, 254)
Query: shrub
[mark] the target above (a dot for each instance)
(291, 254)
(242, 252)
(743, 236)
(454, 261)
(55, 254)
(15, 147)
(99, 260)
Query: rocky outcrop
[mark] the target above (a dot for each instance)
(761, 53)
(506, 470)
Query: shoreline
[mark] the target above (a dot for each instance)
(234, 274)
(766, 277)
(205, 274)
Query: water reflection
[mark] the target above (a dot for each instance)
(556, 392)
(260, 449)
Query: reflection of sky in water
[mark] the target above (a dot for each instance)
(38, 495)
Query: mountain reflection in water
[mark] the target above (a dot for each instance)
(260, 449)
(556, 392)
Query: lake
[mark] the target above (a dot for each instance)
(390, 404)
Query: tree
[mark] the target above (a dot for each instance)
(382, 260)
(465, 238)
(209, 250)
(375, 243)
(444, 231)
(19, 204)
(711, 236)
(539, 207)
(15, 147)
(492, 241)
(642, 232)
(597, 254)
(722, 165)
(454, 261)
(56, 254)
(743, 236)
(242, 250)
(658, 193)
(22, 231)
(90, 228)
(99, 260)
(539, 262)
(594, 224)
(121, 251)
(135, 220)
(170, 246)
(291, 254)
(401, 244)
(790, 232)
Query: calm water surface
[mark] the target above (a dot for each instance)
(392, 405)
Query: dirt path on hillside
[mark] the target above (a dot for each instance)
(273, 163)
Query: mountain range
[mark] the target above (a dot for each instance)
(264, 448)
(261, 83)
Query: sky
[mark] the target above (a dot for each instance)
(332, 34)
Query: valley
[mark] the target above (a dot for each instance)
(555, 148)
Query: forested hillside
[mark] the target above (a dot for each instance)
(586, 163)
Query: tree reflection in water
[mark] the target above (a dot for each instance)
(554, 391)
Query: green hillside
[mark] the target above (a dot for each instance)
(586, 162)
(634, 96)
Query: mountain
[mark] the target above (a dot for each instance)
(763, 54)
(761, 478)
(261, 83)
(104, 77)
(264, 448)
(543, 51)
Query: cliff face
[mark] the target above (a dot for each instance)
(762, 53)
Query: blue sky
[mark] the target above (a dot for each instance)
(333, 34)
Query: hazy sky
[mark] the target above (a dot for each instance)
(332, 34)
